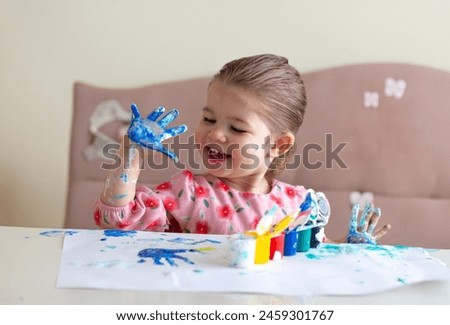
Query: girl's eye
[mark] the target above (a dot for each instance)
(234, 129)
(208, 120)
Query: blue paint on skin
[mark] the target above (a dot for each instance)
(355, 236)
(124, 177)
(157, 254)
(149, 133)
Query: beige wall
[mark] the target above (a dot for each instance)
(46, 45)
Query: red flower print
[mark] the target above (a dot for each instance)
(121, 224)
(225, 211)
(247, 195)
(152, 225)
(170, 203)
(133, 207)
(255, 222)
(97, 217)
(151, 203)
(164, 186)
(201, 191)
(222, 186)
(276, 199)
(201, 227)
(188, 174)
(290, 192)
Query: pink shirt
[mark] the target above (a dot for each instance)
(198, 204)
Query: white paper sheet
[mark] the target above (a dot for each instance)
(199, 263)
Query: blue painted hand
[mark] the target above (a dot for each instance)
(149, 133)
(364, 232)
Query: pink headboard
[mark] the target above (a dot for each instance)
(386, 123)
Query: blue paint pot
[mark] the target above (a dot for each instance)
(290, 243)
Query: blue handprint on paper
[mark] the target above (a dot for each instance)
(149, 133)
(364, 232)
(166, 253)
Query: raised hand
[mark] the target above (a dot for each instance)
(149, 133)
(365, 232)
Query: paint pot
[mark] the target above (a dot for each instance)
(277, 247)
(316, 237)
(304, 240)
(290, 243)
(262, 252)
(242, 251)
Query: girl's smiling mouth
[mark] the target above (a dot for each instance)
(215, 156)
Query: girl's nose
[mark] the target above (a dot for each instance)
(217, 134)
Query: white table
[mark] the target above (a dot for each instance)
(30, 265)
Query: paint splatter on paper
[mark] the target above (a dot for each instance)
(57, 233)
(200, 263)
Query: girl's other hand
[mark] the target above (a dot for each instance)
(366, 232)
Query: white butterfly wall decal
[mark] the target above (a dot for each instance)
(371, 99)
(394, 88)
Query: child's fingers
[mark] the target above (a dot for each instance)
(354, 218)
(372, 224)
(374, 220)
(365, 217)
(382, 231)
(173, 132)
(169, 117)
(135, 111)
(153, 116)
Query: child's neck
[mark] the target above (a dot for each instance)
(249, 185)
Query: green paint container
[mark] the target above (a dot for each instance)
(304, 240)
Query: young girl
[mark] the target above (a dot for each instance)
(255, 105)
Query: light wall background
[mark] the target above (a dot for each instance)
(47, 45)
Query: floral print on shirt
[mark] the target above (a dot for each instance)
(201, 204)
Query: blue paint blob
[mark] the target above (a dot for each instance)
(190, 241)
(401, 280)
(58, 233)
(157, 254)
(119, 233)
(335, 250)
(124, 177)
(312, 256)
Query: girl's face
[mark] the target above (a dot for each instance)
(232, 137)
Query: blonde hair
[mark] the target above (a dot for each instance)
(279, 86)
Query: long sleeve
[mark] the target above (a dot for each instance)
(145, 212)
(198, 204)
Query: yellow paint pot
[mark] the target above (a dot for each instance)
(262, 253)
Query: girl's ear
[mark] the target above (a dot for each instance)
(283, 143)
